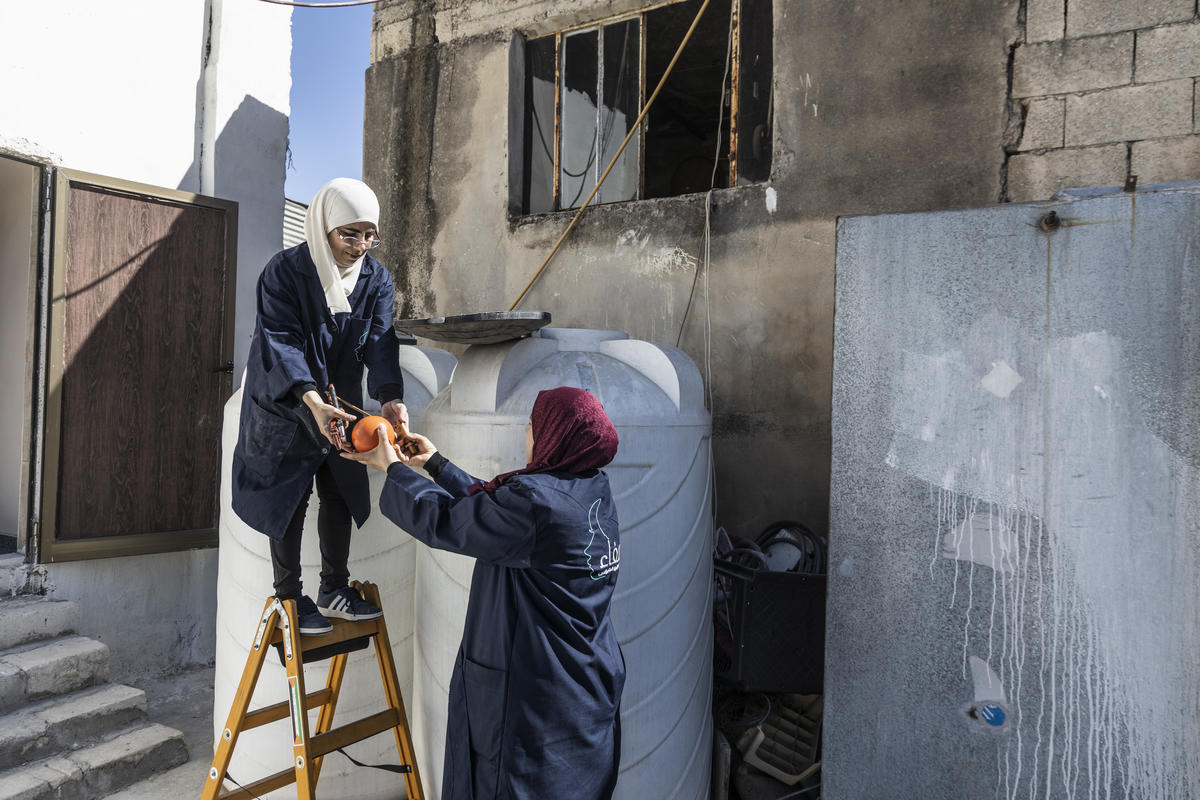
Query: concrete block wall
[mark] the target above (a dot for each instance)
(1107, 90)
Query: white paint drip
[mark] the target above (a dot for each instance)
(984, 539)
(1102, 702)
(986, 684)
(1070, 721)
(771, 200)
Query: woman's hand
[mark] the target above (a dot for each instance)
(416, 449)
(396, 413)
(382, 457)
(324, 414)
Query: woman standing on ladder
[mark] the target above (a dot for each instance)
(325, 311)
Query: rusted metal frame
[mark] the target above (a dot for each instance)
(599, 153)
(41, 344)
(640, 16)
(641, 136)
(735, 87)
(633, 130)
(600, 23)
(558, 73)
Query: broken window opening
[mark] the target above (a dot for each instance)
(709, 127)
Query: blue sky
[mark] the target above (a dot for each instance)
(330, 54)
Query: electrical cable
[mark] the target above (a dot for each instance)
(798, 793)
(737, 712)
(337, 4)
(712, 183)
(229, 778)
(712, 461)
(813, 560)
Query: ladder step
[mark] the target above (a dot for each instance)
(282, 710)
(324, 743)
(256, 790)
(343, 630)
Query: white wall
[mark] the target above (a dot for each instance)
(104, 87)
(18, 190)
(141, 90)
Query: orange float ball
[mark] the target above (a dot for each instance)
(365, 435)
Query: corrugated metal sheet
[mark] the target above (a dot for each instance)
(293, 222)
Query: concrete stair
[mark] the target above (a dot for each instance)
(66, 733)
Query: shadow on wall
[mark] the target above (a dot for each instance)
(142, 311)
(252, 140)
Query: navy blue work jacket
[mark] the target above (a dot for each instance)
(536, 689)
(298, 340)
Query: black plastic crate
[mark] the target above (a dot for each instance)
(776, 631)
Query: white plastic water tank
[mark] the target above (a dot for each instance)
(660, 478)
(379, 552)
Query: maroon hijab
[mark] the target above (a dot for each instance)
(571, 433)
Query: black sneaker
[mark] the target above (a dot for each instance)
(346, 603)
(309, 618)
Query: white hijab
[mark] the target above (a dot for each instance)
(337, 203)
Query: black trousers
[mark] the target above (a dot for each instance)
(333, 528)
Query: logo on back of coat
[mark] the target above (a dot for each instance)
(603, 554)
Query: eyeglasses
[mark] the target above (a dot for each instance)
(370, 241)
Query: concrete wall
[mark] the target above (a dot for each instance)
(1016, 472)
(876, 109)
(1105, 89)
(905, 106)
(191, 95)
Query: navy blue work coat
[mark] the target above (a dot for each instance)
(536, 689)
(298, 340)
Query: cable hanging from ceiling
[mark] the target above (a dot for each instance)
(337, 4)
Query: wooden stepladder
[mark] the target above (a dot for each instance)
(278, 627)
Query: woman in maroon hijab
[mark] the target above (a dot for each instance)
(536, 689)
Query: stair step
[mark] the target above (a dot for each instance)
(99, 769)
(55, 667)
(53, 726)
(29, 618)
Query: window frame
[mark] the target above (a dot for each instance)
(520, 164)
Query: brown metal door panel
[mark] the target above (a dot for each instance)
(139, 311)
